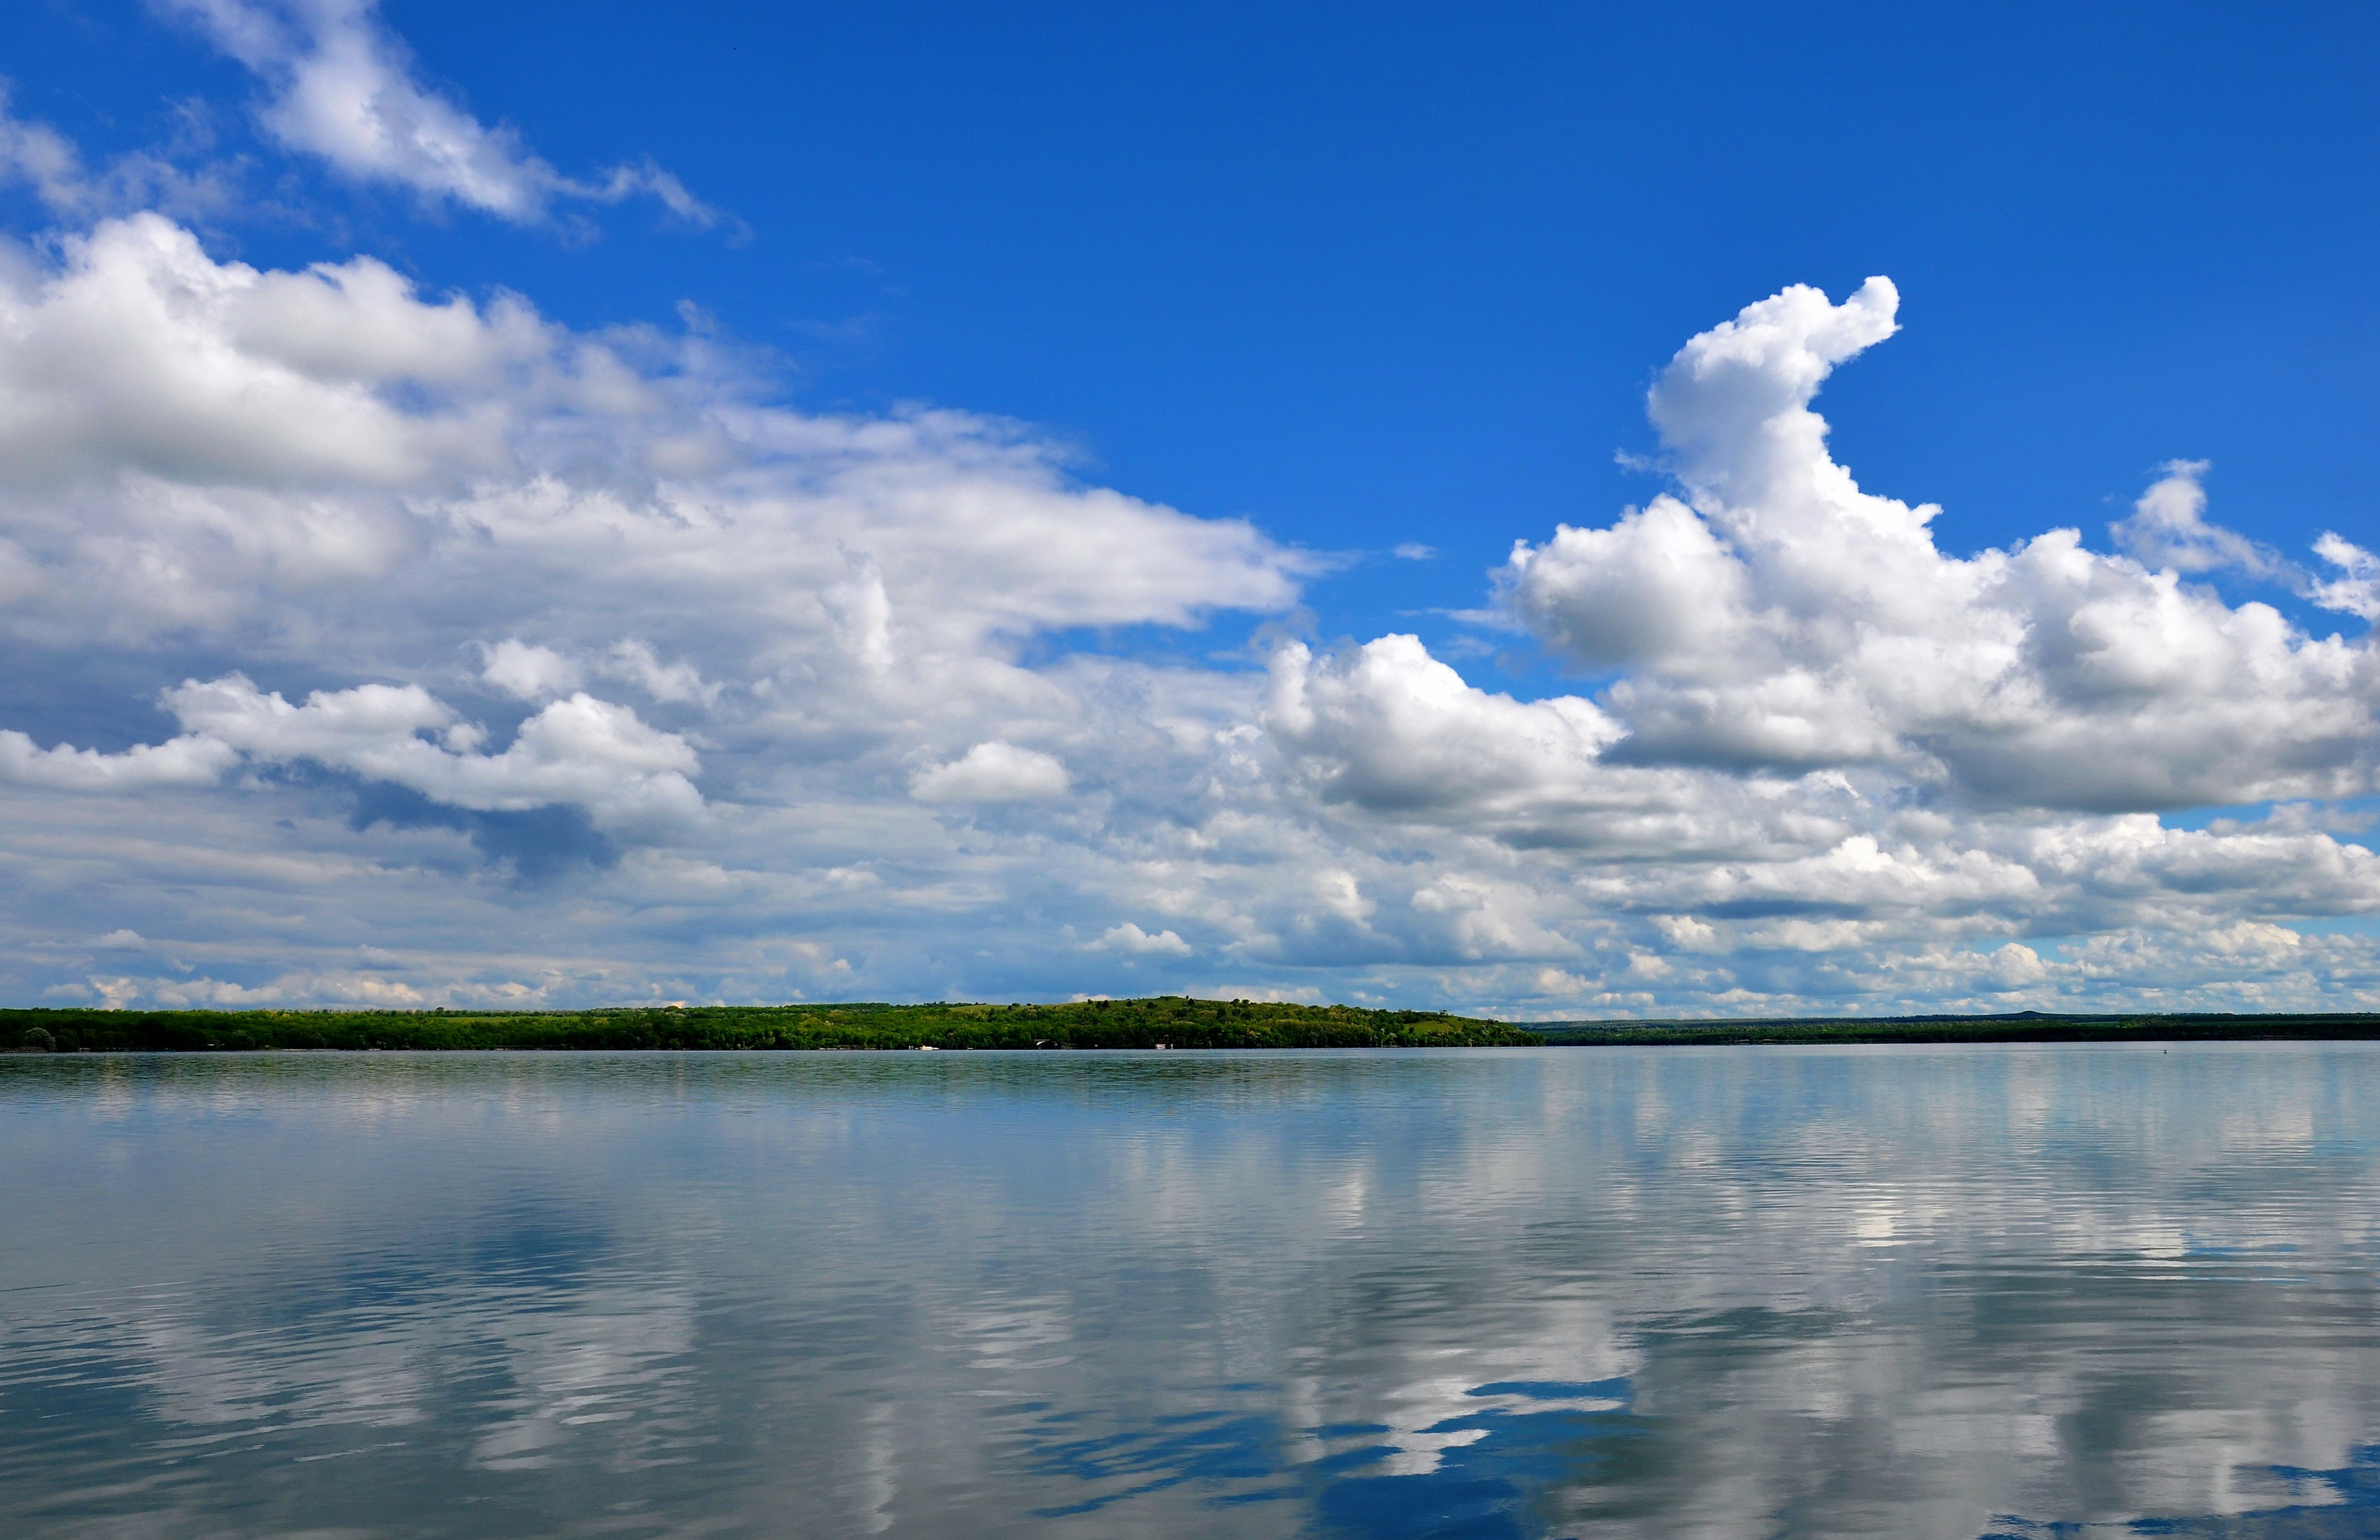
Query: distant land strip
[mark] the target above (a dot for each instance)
(1170, 1021)
(2024, 1026)
(1167, 1021)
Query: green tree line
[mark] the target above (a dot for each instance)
(1170, 1021)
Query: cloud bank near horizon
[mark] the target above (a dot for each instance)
(398, 647)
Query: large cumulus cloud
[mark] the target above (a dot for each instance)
(1774, 615)
(1823, 750)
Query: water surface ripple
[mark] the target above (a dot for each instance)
(1904, 1291)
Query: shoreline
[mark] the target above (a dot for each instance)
(1159, 1023)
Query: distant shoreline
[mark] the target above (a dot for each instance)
(1164, 1022)
(2027, 1026)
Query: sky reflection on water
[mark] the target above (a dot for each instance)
(2006, 1291)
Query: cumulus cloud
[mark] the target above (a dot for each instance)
(992, 771)
(1133, 941)
(144, 357)
(1776, 616)
(328, 477)
(1390, 728)
(188, 443)
(580, 751)
(526, 670)
(190, 762)
(345, 88)
(1820, 754)
(1660, 585)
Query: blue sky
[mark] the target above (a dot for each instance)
(1358, 279)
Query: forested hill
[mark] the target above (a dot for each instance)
(1172, 1021)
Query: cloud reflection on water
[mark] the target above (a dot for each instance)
(1578, 1292)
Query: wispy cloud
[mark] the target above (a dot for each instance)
(35, 155)
(343, 87)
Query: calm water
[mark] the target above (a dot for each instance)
(2006, 1291)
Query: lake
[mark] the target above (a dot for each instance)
(1754, 1291)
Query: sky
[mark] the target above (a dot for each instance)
(1538, 511)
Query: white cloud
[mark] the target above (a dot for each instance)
(188, 761)
(528, 672)
(1778, 616)
(1413, 550)
(344, 89)
(1391, 728)
(1393, 734)
(580, 751)
(192, 445)
(1657, 586)
(993, 771)
(2168, 529)
(636, 661)
(42, 158)
(1133, 940)
(2357, 590)
(144, 358)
